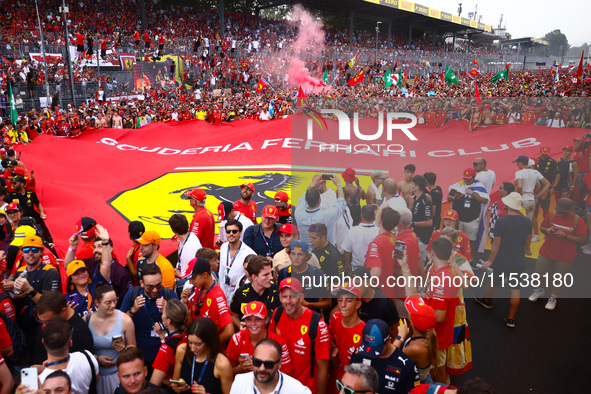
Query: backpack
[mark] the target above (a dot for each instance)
(19, 344)
(355, 208)
(92, 388)
(255, 230)
(311, 332)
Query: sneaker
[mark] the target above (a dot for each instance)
(535, 238)
(551, 304)
(536, 295)
(482, 301)
(510, 322)
(528, 252)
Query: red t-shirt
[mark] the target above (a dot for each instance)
(214, 306)
(346, 339)
(463, 245)
(558, 248)
(7, 307)
(203, 226)
(250, 211)
(5, 339)
(240, 343)
(413, 252)
(584, 161)
(79, 39)
(443, 296)
(380, 253)
(295, 333)
(165, 358)
(87, 251)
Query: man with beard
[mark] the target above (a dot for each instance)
(28, 200)
(266, 376)
(116, 276)
(245, 205)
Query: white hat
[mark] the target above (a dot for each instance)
(513, 201)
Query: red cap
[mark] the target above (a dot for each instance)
(292, 283)
(13, 206)
(545, 149)
(255, 308)
(451, 214)
(248, 185)
(469, 173)
(349, 175)
(281, 197)
(270, 211)
(288, 228)
(197, 194)
(421, 315)
(348, 288)
(568, 147)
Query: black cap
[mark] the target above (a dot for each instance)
(28, 221)
(9, 163)
(201, 265)
(20, 179)
(136, 229)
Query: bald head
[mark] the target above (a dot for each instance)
(389, 188)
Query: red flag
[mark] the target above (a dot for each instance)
(301, 97)
(474, 72)
(507, 66)
(580, 69)
(475, 61)
(261, 85)
(477, 95)
(356, 79)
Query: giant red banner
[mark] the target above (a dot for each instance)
(116, 176)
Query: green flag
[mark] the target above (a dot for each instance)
(501, 74)
(13, 112)
(325, 76)
(138, 124)
(388, 79)
(399, 81)
(450, 77)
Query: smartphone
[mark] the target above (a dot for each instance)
(399, 249)
(326, 177)
(29, 377)
(75, 298)
(117, 339)
(245, 356)
(178, 381)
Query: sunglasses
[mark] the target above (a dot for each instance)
(347, 390)
(33, 249)
(231, 231)
(268, 364)
(149, 288)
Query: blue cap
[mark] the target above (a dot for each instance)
(298, 243)
(375, 335)
(522, 159)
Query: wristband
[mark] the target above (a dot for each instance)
(400, 338)
(32, 293)
(72, 249)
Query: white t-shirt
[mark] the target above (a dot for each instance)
(328, 199)
(235, 271)
(187, 250)
(357, 240)
(488, 179)
(396, 203)
(79, 371)
(246, 223)
(530, 179)
(244, 384)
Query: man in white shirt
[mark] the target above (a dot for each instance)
(226, 212)
(358, 238)
(189, 244)
(266, 377)
(487, 178)
(232, 255)
(391, 196)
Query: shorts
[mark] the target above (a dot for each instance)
(529, 206)
(103, 53)
(563, 187)
(470, 228)
(582, 185)
(545, 203)
(441, 358)
(504, 274)
(137, 42)
(80, 48)
(147, 45)
(423, 249)
(160, 47)
(544, 264)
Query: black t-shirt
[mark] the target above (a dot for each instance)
(330, 259)
(379, 307)
(513, 230)
(398, 373)
(27, 201)
(422, 210)
(246, 294)
(548, 168)
(436, 199)
(312, 280)
(467, 207)
(81, 339)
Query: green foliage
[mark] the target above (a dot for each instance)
(557, 41)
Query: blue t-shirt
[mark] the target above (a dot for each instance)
(262, 245)
(144, 321)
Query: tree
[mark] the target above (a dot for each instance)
(558, 42)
